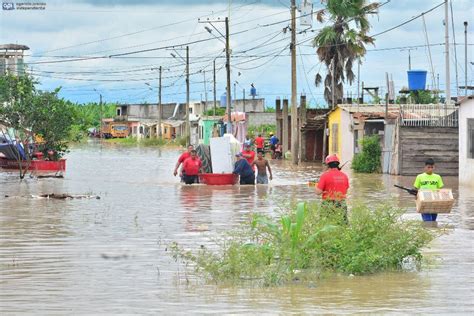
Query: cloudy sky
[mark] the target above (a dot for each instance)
(113, 48)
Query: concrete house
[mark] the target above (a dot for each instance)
(466, 141)
(347, 124)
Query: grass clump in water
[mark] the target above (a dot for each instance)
(147, 142)
(309, 240)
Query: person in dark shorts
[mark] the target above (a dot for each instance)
(260, 143)
(244, 170)
(262, 166)
(191, 168)
(181, 159)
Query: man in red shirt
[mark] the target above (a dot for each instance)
(181, 159)
(191, 168)
(333, 185)
(248, 154)
(259, 143)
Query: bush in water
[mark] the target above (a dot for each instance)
(368, 161)
(309, 240)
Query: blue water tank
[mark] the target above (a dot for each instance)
(224, 100)
(417, 79)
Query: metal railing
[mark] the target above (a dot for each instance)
(429, 115)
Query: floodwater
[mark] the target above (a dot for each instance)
(108, 255)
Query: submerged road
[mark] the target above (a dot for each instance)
(107, 255)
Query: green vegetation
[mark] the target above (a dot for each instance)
(270, 110)
(88, 115)
(263, 129)
(35, 118)
(368, 161)
(308, 241)
(147, 142)
(219, 112)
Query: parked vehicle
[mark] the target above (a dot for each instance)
(115, 130)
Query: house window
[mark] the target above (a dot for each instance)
(141, 129)
(470, 138)
(119, 112)
(166, 130)
(134, 130)
(334, 136)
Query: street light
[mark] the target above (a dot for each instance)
(100, 113)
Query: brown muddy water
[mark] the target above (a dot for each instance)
(108, 256)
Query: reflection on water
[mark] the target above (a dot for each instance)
(108, 255)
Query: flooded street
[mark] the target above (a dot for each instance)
(108, 255)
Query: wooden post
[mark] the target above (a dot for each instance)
(325, 138)
(302, 135)
(278, 120)
(284, 117)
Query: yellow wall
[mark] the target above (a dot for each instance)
(335, 118)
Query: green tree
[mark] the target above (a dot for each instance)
(343, 41)
(31, 114)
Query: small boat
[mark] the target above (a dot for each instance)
(9, 154)
(35, 164)
(218, 178)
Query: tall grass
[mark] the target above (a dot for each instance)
(310, 240)
(147, 142)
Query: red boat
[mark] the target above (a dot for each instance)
(218, 178)
(35, 165)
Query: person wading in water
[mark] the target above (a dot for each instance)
(262, 166)
(333, 186)
(429, 181)
(181, 159)
(191, 168)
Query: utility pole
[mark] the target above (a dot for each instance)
(243, 94)
(101, 115)
(294, 107)
(409, 59)
(358, 81)
(160, 106)
(214, 83)
(227, 65)
(455, 49)
(446, 43)
(205, 90)
(188, 126)
(465, 59)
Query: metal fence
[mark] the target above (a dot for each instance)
(429, 115)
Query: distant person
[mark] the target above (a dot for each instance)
(244, 170)
(262, 166)
(428, 181)
(248, 154)
(260, 143)
(192, 166)
(273, 142)
(248, 140)
(278, 151)
(333, 186)
(182, 158)
(253, 91)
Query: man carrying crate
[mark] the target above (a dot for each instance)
(429, 181)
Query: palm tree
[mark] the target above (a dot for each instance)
(343, 42)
